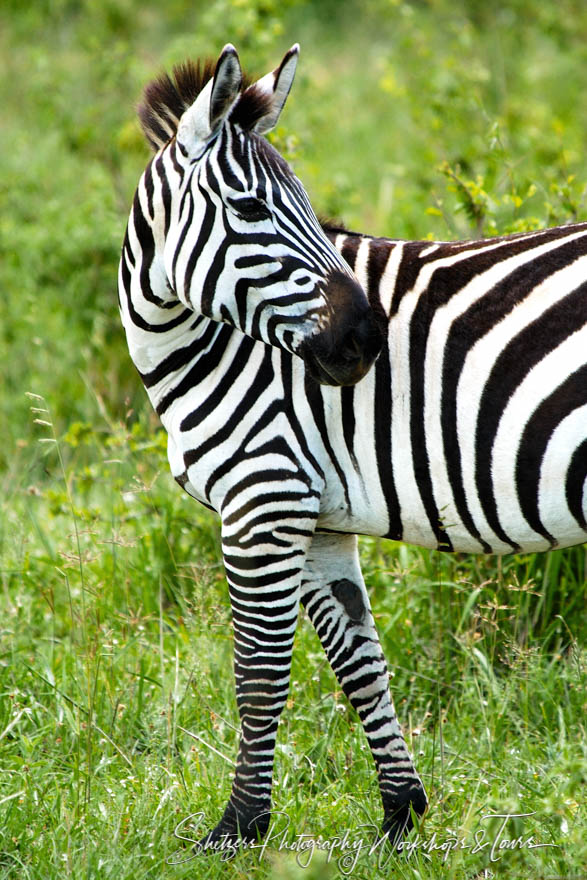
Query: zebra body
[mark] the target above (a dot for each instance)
(438, 502)
(472, 426)
(254, 341)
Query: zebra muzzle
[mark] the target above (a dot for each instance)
(344, 351)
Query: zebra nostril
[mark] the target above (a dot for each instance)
(363, 340)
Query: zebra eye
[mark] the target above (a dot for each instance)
(250, 209)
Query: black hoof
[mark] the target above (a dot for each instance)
(235, 831)
(398, 821)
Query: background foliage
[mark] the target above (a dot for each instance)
(422, 119)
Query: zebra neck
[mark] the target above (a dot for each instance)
(373, 260)
(190, 357)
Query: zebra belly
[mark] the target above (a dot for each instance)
(526, 509)
(526, 505)
(415, 529)
(182, 474)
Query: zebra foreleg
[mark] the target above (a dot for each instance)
(263, 569)
(334, 594)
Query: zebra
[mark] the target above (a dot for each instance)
(317, 384)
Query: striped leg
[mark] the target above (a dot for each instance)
(334, 594)
(264, 561)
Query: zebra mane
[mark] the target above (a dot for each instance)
(166, 98)
(332, 225)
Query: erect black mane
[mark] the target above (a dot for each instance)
(332, 226)
(166, 98)
(252, 105)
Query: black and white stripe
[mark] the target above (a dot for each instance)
(251, 333)
(485, 388)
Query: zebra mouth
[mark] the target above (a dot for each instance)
(344, 351)
(335, 374)
(346, 363)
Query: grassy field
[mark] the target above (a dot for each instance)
(117, 711)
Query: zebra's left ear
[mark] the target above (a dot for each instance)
(202, 120)
(276, 86)
(226, 85)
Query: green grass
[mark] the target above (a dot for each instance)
(116, 650)
(425, 119)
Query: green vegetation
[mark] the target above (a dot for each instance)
(425, 118)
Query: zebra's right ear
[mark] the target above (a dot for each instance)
(201, 121)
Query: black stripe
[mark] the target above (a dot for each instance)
(350, 248)
(279, 497)
(204, 234)
(537, 433)
(149, 188)
(145, 236)
(187, 224)
(379, 253)
(466, 330)
(261, 580)
(419, 327)
(286, 374)
(407, 273)
(509, 370)
(179, 357)
(347, 400)
(216, 336)
(233, 146)
(165, 192)
(316, 404)
(278, 448)
(174, 148)
(297, 511)
(576, 476)
(383, 417)
(480, 256)
(251, 261)
(126, 257)
(231, 375)
(136, 318)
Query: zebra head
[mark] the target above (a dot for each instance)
(240, 241)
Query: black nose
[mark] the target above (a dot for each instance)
(344, 351)
(351, 359)
(363, 341)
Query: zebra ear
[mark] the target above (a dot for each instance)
(226, 85)
(276, 86)
(202, 119)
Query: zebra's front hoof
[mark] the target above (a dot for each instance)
(398, 822)
(235, 831)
